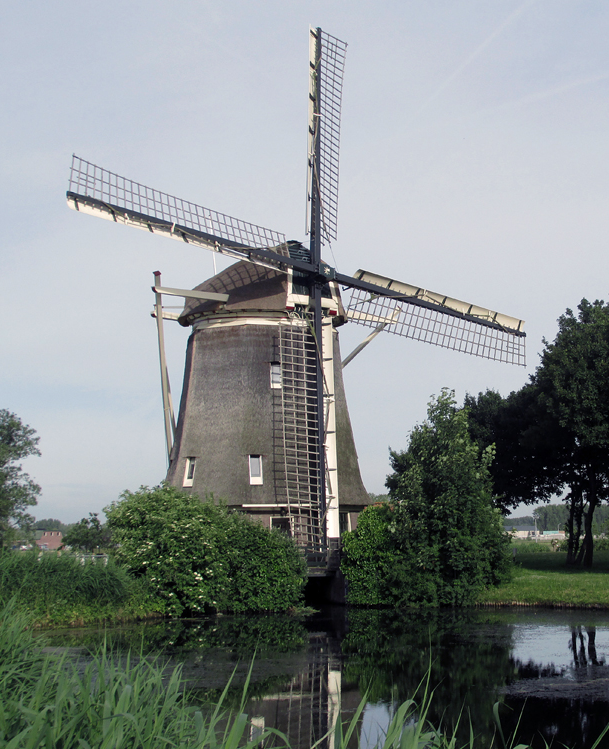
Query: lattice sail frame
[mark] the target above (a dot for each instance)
(125, 201)
(327, 64)
(105, 194)
(436, 327)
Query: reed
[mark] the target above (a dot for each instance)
(112, 701)
(104, 701)
(64, 589)
(409, 728)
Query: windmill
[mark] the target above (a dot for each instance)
(263, 415)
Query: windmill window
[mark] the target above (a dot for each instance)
(189, 472)
(255, 470)
(283, 524)
(275, 374)
(344, 522)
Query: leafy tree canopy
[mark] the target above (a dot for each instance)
(17, 490)
(51, 524)
(552, 436)
(200, 557)
(440, 540)
(573, 375)
(378, 497)
(530, 446)
(87, 535)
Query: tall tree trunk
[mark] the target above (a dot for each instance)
(574, 525)
(592, 503)
(570, 529)
(581, 552)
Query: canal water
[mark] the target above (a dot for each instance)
(547, 669)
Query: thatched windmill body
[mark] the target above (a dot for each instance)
(263, 420)
(247, 425)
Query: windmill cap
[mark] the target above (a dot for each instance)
(249, 287)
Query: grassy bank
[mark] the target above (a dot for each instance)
(61, 590)
(544, 580)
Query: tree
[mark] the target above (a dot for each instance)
(445, 540)
(551, 517)
(376, 498)
(200, 557)
(552, 436)
(51, 524)
(530, 447)
(601, 520)
(87, 535)
(17, 490)
(520, 520)
(572, 385)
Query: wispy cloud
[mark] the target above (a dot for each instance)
(475, 54)
(556, 90)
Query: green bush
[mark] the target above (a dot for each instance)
(600, 544)
(199, 557)
(440, 541)
(370, 556)
(266, 570)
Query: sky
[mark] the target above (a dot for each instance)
(474, 157)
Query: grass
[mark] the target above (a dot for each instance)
(544, 580)
(120, 702)
(533, 547)
(58, 590)
(112, 703)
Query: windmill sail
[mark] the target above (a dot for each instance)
(104, 194)
(407, 310)
(327, 64)
(423, 315)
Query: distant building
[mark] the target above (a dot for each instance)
(528, 531)
(49, 540)
(521, 531)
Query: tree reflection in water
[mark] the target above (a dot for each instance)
(304, 669)
(388, 654)
(568, 704)
(582, 656)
